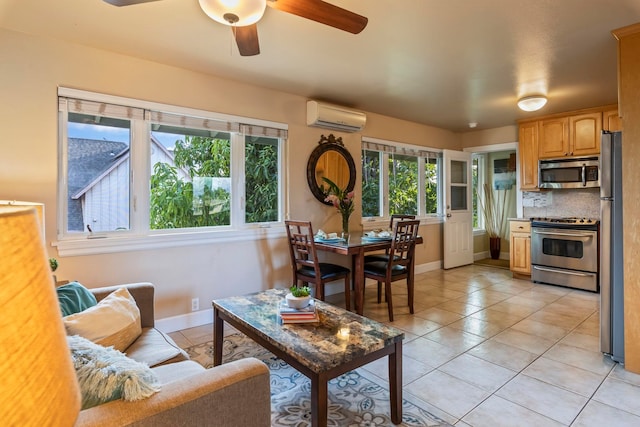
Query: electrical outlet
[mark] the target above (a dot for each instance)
(195, 304)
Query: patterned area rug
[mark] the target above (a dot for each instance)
(355, 399)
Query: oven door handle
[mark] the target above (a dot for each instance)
(563, 234)
(572, 273)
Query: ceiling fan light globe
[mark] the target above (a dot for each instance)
(532, 103)
(247, 12)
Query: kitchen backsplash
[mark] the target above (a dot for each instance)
(562, 203)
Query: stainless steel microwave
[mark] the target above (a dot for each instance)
(577, 172)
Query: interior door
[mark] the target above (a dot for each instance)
(458, 222)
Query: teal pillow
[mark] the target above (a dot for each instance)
(74, 298)
(105, 374)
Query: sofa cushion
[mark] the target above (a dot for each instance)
(114, 321)
(105, 374)
(155, 348)
(74, 298)
(177, 371)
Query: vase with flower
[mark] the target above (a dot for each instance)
(342, 200)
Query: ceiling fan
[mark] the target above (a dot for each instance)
(242, 16)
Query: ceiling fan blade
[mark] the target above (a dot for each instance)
(322, 12)
(247, 39)
(126, 2)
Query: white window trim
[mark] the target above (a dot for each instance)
(482, 178)
(139, 237)
(370, 223)
(114, 244)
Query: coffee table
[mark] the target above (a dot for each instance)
(340, 342)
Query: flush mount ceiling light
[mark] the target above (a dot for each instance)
(234, 12)
(532, 103)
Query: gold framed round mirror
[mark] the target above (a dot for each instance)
(332, 161)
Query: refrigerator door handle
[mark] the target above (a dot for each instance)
(605, 165)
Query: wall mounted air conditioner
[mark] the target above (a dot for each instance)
(334, 117)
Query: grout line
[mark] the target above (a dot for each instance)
(486, 280)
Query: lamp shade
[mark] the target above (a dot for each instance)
(38, 206)
(234, 12)
(38, 385)
(532, 103)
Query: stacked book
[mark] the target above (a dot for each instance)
(307, 314)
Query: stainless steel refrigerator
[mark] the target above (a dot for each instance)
(611, 251)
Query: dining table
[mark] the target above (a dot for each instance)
(356, 246)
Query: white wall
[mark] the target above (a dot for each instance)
(33, 68)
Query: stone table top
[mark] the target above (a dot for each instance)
(338, 338)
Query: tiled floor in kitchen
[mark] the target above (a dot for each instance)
(483, 349)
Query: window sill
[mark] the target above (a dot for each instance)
(128, 243)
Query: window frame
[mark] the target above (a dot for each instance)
(382, 221)
(482, 160)
(140, 236)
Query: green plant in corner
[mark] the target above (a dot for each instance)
(302, 291)
(494, 205)
(53, 264)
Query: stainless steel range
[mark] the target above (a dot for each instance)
(564, 252)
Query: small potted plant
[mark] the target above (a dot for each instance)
(298, 297)
(53, 264)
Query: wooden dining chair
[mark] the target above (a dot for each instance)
(306, 267)
(399, 264)
(385, 256)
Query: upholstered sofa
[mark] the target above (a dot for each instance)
(233, 394)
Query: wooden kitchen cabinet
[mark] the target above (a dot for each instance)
(520, 248)
(570, 136)
(528, 155)
(585, 133)
(554, 138)
(611, 120)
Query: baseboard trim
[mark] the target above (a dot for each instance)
(430, 266)
(204, 317)
(483, 255)
(185, 321)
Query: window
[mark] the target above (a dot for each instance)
(478, 172)
(136, 169)
(400, 180)
(474, 189)
(371, 184)
(403, 184)
(261, 188)
(98, 167)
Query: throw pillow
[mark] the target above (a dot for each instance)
(73, 298)
(105, 374)
(114, 321)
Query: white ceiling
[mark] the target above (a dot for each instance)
(439, 62)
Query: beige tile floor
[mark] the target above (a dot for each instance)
(484, 349)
